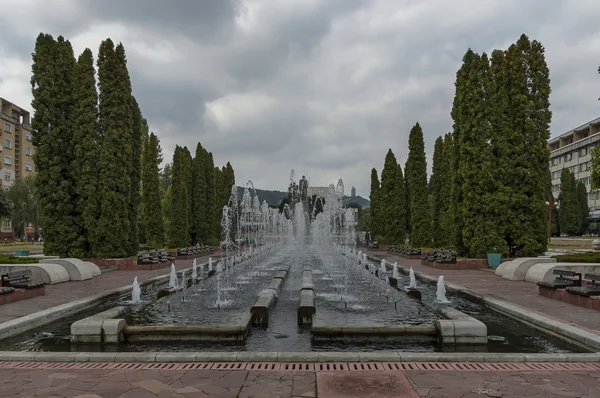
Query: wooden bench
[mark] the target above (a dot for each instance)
(564, 279)
(592, 288)
(22, 279)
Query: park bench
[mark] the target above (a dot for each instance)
(146, 258)
(564, 279)
(6, 290)
(591, 288)
(446, 257)
(183, 252)
(163, 256)
(22, 279)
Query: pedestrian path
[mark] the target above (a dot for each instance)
(521, 293)
(141, 383)
(66, 292)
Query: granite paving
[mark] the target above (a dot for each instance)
(106, 383)
(522, 293)
(66, 292)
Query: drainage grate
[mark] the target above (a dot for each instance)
(319, 367)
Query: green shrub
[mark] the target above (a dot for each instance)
(18, 260)
(589, 257)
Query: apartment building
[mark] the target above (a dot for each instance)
(16, 150)
(573, 150)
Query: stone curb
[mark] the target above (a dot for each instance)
(556, 327)
(293, 357)
(25, 323)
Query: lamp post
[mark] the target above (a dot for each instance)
(549, 205)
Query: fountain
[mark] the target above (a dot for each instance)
(136, 292)
(194, 272)
(441, 291)
(173, 277)
(382, 268)
(395, 271)
(412, 280)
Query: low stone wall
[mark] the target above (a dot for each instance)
(591, 303)
(119, 263)
(460, 328)
(267, 299)
(306, 306)
(460, 264)
(22, 294)
(403, 333)
(232, 333)
(100, 328)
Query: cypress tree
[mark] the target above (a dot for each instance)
(459, 113)
(187, 171)
(137, 131)
(584, 210)
(86, 152)
(569, 213)
(416, 168)
(199, 227)
(397, 214)
(178, 233)
(112, 231)
(152, 205)
(386, 196)
(438, 232)
(445, 216)
(54, 102)
(407, 200)
(212, 221)
(375, 210)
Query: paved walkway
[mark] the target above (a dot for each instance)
(106, 383)
(62, 293)
(521, 293)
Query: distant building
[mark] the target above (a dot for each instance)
(319, 191)
(16, 150)
(353, 192)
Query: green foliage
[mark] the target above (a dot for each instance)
(6, 206)
(391, 200)
(112, 235)
(86, 145)
(152, 205)
(440, 192)
(138, 130)
(589, 257)
(416, 169)
(178, 232)
(584, 210)
(53, 102)
(375, 210)
(569, 213)
(23, 203)
(18, 260)
(199, 227)
(595, 167)
(315, 205)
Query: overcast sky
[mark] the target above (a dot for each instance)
(321, 86)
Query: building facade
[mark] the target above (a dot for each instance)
(16, 150)
(573, 150)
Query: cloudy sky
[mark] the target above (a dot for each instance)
(321, 86)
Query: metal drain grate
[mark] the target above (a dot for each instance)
(319, 367)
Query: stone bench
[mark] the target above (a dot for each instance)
(267, 299)
(78, 270)
(50, 274)
(543, 272)
(99, 328)
(460, 328)
(516, 270)
(306, 308)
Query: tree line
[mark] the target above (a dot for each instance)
(98, 181)
(490, 177)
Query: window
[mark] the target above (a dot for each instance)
(6, 176)
(583, 151)
(555, 161)
(28, 136)
(7, 160)
(568, 156)
(7, 127)
(27, 166)
(7, 144)
(585, 180)
(583, 166)
(28, 151)
(6, 223)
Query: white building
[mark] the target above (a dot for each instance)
(572, 149)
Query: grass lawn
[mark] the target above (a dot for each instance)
(571, 243)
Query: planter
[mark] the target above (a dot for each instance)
(493, 260)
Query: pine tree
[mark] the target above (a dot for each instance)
(113, 229)
(569, 213)
(178, 233)
(152, 205)
(54, 102)
(416, 168)
(86, 152)
(375, 210)
(584, 210)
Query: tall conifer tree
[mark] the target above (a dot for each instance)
(416, 168)
(54, 102)
(152, 205)
(375, 209)
(86, 152)
(178, 234)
